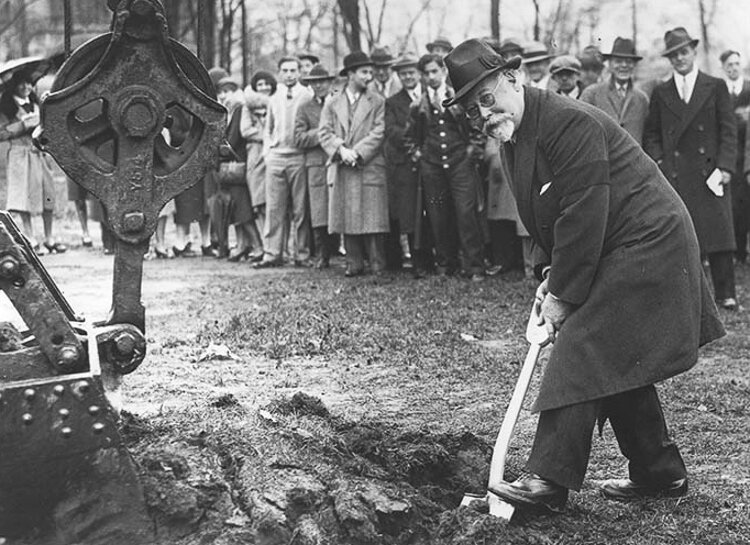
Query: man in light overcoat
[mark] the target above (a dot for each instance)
(352, 128)
(618, 97)
(691, 133)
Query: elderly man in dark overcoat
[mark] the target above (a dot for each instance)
(691, 133)
(618, 96)
(352, 128)
(739, 94)
(623, 299)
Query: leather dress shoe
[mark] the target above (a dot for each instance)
(730, 303)
(530, 490)
(627, 490)
(349, 273)
(267, 264)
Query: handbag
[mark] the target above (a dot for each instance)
(232, 173)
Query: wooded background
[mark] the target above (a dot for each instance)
(246, 35)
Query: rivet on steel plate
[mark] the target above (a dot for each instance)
(64, 413)
(94, 410)
(59, 390)
(66, 432)
(29, 394)
(98, 428)
(27, 418)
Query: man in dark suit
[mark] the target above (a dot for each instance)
(739, 93)
(401, 170)
(623, 295)
(690, 132)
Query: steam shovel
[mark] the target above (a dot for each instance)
(537, 336)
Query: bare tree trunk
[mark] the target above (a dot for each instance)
(207, 32)
(634, 8)
(172, 11)
(537, 30)
(23, 30)
(352, 26)
(495, 19)
(336, 52)
(704, 33)
(245, 45)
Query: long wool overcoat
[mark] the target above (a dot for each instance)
(630, 111)
(402, 171)
(689, 141)
(621, 247)
(306, 138)
(358, 196)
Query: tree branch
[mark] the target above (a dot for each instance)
(380, 19)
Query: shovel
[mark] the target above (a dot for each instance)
(537, 336)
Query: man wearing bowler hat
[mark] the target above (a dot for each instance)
(352, 127)
(306, 138)
(691, 133)
(623, 297)
(618, 97)
(384, 81)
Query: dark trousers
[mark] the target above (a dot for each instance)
(505, 244)
(393, 253)
(740, 213)
(722, 274)
(450, 198)
(563, 439)
(324, 244)
(357, 246)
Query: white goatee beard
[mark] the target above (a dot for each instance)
(500, 128)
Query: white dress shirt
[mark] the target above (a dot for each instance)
(685, 84)
(734, 86)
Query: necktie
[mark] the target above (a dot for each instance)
(622, 91)
(436, 101)
(289, 95)
(28, 107)
(685, 90)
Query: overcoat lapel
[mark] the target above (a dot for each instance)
(341, 106)
(701, 92)
(672, 98)
(362, 108)
(524, 158)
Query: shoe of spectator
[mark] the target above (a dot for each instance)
(208, 251)
(494, 270)
(86, 241)
(268, 264)
(161, 254)
(304, 263)
(349, 273)
(186, 251)
(222, 252)
(730, 303)
(628, 490)
(237, 255)
(56, 247)
(255, 258)
(477, 277)
(322, 263)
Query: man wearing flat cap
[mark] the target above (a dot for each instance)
(352, 127)
(691, 133)
(623, 297)
(440, 46)
(306, 138)
(618, 97)
(384, 81)
(565, 71)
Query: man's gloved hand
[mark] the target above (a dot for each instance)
(552, 311)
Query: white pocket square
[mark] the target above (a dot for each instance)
(544, 188)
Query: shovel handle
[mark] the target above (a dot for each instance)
(497, 466)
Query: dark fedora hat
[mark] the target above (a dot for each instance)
(675, 39)
(440, 41)
(381, 56)
(307, 55)
(623, 48)
(510, 48)
(407, 60)
(317, 73)
(354, 60)
(471, 62)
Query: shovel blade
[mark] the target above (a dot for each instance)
(500, 508)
